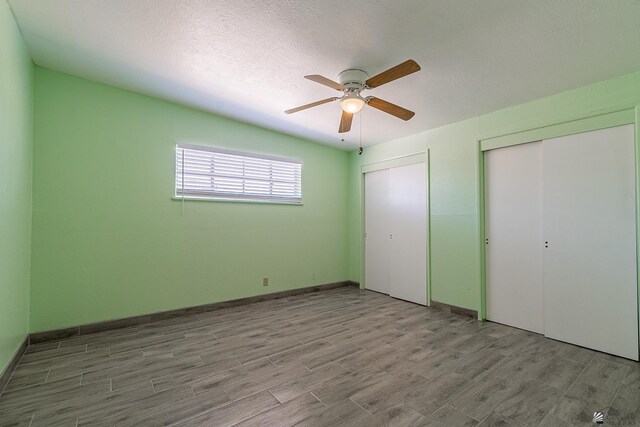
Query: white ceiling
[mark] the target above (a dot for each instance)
(246, 59)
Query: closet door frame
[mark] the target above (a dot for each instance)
(410, 159)
(587, 123)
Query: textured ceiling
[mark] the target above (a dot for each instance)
(246, 59)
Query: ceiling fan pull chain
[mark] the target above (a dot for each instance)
(360, 124)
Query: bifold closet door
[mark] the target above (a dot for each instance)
(377, 225)
(408, 218)
(590, 278)
(513, 226)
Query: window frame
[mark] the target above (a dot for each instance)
(234, 197)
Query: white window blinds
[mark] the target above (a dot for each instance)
(214, 173)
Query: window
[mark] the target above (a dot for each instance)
(214, 173)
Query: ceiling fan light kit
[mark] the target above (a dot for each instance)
(352, 82)
(351, 103)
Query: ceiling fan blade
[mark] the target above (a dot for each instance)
(389, 108)
(345, 122)
(325, 81)
(313, 104)
(407, 67)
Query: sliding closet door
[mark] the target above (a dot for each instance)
(376, 226)
(590, 283)
(513, 200)
(408, 215)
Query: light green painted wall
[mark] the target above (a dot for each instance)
(109, 242)
(455, 231)
(16, 124)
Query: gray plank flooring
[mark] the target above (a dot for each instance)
(344, 357)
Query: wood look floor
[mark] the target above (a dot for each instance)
(344, 357)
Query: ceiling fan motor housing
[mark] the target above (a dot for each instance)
(353, 79)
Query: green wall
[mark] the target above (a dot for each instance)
(455, 229)
(108, 240)
(16, 124)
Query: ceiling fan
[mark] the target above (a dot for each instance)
(352, 82)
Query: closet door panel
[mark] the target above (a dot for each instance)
(408, 214)
(590, 278)
(513, 227)
(377, 242)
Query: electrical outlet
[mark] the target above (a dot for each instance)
(265, 281)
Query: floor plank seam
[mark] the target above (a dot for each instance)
(360, 406)
(613, 396)
(320, 400)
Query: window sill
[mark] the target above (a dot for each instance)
(222, 199)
